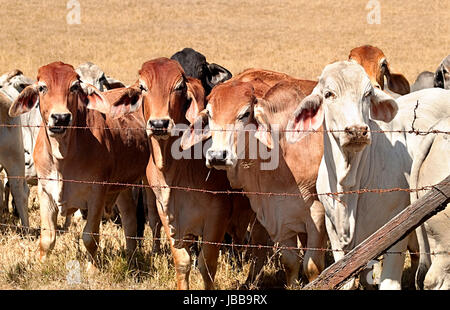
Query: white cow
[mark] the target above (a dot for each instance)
(430, 166)
(11, 153)
(357, 155)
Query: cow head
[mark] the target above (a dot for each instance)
(58, 91)
(345, 99)
(442, 75)
(374, 62)
(167, 96)
(231, 108)
(195, 65)
(92, 74)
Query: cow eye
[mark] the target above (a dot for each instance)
(368, 93)
(244, 116)
(329, 95)
(75, 87)
(42, 88)
(180, 86)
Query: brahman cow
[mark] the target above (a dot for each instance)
(81, 157)
(169, 98)
(195, 65)
(90, 73)
(430, 166)
(11, 152)
(441, 77)
(240, 124)
(375, 63)
(359, 155)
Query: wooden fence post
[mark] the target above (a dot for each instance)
(393, 231)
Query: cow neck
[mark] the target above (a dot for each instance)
(345, 170)
(161, 152)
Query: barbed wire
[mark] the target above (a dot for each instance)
(410, 131)
(275, 247)
(228, 192)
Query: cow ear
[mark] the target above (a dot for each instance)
(217, 74)
(123, 101)
(382, 106)
(196, 100)
(198, 131)
(396, 81)
(439, 77)
(263, 132)
(308, 116)
(94, 99)
(26, 100)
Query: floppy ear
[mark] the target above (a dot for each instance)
(26, 100)
(196, 95)
(94, 99)
(397, 82)
(382, 106)
(111, 83)
(308, 116)
(123, 100)
(197, 131)
(217, 74)
(263, 133)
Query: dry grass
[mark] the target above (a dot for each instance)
(298, 37)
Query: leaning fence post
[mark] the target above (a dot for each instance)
(396, 229)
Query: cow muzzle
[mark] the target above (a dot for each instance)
(355, 138)
(160, 128)
(219, 159)
(59, 122)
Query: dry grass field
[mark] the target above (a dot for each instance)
(298, 37)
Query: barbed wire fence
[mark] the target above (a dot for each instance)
(276, 247)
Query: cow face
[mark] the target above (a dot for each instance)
(231, 114)
(58, 91)
(165, 96)
(346, 100)
(374, 62)
(442, 75)
(92, 74)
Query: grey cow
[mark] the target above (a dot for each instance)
(12, 158)
(441, 78)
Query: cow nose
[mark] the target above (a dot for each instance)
(217, 157)
(356, 131)
(159, 123)
(61, 119)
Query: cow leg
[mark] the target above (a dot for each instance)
(259, 236)
(127, 210)
(207, 260)
(391, 274)
(49, 215)
(91, 229)
(19, 191)
(290, 260)
(182, 261)
(153, 219)
(314, 260)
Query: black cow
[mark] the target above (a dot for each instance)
(195, 65)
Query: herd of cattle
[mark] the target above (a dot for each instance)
(82, 134)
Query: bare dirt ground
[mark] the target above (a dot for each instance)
(297, 37)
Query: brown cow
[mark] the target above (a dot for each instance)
(231, 107)
(375, 63)
(92, 154)
(169, 98)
